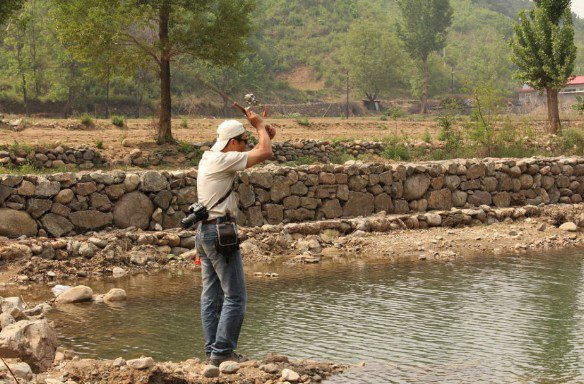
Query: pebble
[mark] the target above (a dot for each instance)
(569, 227)
(141, 363)
(269, 368)
(229, 367)
(290, 375)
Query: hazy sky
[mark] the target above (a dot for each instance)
(578, 7)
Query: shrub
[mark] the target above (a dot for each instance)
(184, 123)
(186, 147)
(118, 121)
(99, 144)
(383, 117)
(395, 149)
(86, 120)
(304, 122)
(427, 136)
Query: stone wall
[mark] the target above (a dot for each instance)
(41, 157)
(70, 203)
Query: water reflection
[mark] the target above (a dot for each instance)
(497, 320)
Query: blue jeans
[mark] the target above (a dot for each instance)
(224, 298)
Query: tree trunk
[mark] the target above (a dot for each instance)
(107, 99)
(20, 61)
(424, 106)
(164, 127)
(225, 105)
(555, 125)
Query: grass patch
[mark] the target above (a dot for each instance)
(304, 122)
(86, 120)
(119, 121)
(395, 148)
(99, 144)
(304, 160)
(341, 158)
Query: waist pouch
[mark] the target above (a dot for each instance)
(227, 238)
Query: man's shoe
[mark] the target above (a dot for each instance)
(217, 360)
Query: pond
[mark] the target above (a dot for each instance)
(506, 319)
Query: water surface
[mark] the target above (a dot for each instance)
(513, 319)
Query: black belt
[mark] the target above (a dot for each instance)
(218, 220)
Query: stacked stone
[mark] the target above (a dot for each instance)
(84, 158)
(71, 203)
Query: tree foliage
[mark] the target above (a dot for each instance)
(134, 32)
(544, 51)
(423, 30)
(7, 7)
(375, 60)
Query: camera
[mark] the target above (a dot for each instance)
(197, 212)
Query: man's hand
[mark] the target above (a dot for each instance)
(254, 119)
(271, 131)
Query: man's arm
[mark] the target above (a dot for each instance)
(263, 149)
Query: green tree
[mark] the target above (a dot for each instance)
(374, 59)
(139, 33)
(7, 7)
(544, 51)
(423, 29)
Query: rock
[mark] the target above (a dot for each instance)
(480, 198)
(133, 209)
(26, 188)
(58, 289)
(90, 219)
(359, 204)
(101, 243)
(569, 227)
(269, 368)
(16, 223)
(153, 181)
(229, 367)
(13, 306)
(5, 320)
(115, 294)
(332, 209)
(76, 294)
(433, 219)
(440, 200)
(210, 371)
(32, 341)
(290, 375)
(141, 363)
(87, 250)
(86, 189)
(14, 251)
(416, 186)
(118, 272)
(56, 225)
(131, 182)
(46, 188)
(20, 370)
(65, 196)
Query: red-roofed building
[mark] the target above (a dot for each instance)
(575, 87)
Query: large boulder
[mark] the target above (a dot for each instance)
(90, 219)
(32, 341)
(153, 181)
(359, 204)
(56, 225)
(441, 199)
(76, 294)
(16, 223)
(416, 186)
(133, 209)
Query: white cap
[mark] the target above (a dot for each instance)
(227, 130)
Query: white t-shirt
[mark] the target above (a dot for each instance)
(217, 170)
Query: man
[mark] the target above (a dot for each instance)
(224, 299)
